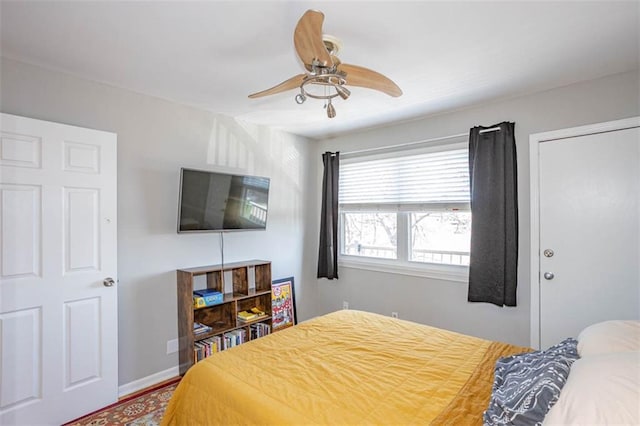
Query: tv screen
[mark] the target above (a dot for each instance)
(211, 201)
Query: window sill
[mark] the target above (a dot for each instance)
(427, 270)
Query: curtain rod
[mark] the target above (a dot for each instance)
(408, 144)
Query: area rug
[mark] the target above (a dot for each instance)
(143, 408)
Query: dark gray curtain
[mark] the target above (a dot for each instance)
(494, 208)
(328, 250)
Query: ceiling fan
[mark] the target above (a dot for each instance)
(324, 70)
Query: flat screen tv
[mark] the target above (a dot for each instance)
(215, 202)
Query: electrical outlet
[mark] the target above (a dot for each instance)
(394, 315)
(172, 346)
(345, 305)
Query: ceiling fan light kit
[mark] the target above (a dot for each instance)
(318, 52)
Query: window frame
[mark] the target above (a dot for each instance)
(402, 265)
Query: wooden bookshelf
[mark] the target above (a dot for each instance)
(222, 318)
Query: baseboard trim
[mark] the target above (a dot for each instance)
(145, 382)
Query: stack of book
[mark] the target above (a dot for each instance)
(251, 315)
(199, 328)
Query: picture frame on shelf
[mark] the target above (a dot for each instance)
(283, 306)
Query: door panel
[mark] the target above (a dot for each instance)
(59, 356)
(590, 218)
(20, 365)
(81, 229)
(81, 158)
(82, 355)
(20, 150)
(20, 215)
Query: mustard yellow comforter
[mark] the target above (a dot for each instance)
(347, 367)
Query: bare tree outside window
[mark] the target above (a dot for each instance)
(370, 234)
(440, 237)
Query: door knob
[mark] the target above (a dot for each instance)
(108, 282)
(548, 275)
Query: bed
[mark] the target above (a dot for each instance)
(347, 367)
(352, 367)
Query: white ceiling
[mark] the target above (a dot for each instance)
(212, 54)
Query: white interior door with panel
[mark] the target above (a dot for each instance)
(58, 266)
(585, 257)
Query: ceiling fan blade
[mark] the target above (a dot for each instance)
(364, 77)
(289, 84)
(307, 38)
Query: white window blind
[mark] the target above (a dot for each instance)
(435, 177)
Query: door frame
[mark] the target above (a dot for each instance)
(534, 161)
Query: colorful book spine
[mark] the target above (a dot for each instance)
(205, 348)
(259, 330)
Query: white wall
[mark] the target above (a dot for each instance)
(444, 303)
(155, 139)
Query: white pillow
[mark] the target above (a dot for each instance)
(601, 390)
(608, 337)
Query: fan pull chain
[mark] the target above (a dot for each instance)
(325, 95)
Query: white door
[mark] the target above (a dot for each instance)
(58, 321)
(589, 232)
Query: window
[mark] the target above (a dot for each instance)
(406, 209)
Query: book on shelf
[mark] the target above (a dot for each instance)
(246, 316)
(259, 330)
(207, 297)
(233, 338)
(250, 315)
(199, 328)
(205, 348)
(258, 311)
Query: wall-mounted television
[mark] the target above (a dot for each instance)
(215, 202)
